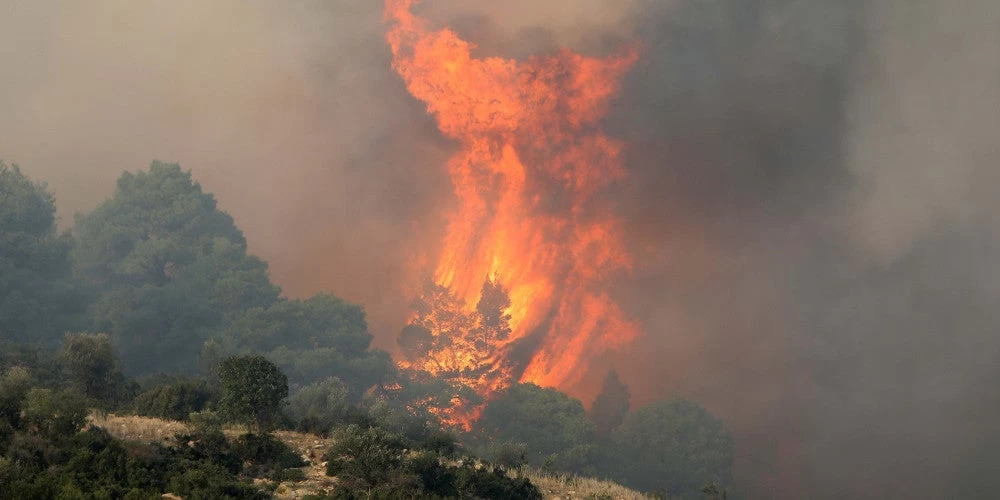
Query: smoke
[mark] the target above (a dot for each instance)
(810, 202)
(289, 113)
(812, 182)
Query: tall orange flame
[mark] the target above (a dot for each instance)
(528, 223)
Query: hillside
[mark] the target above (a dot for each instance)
(312, 447)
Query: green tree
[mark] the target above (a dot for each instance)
(311, 340)
(611, 404)
(554, 426)
(54, 413)
(171, 267)
(253, 389)
(14, 386)
(676, 445)
(38, 300)
(92, 365)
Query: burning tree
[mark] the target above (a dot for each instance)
(528, 222)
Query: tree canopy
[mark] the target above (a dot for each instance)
(674, 444)
(38, 301)
(253, 390)
(552, 424)
(92, 366)
(312, 339)
(172, 268)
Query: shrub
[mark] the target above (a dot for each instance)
(93, 367)
(318, 407)
(442, 443)
(368, 455)
(267, 451)
(53, 413)
(207, 481)
(14, 386)
(174, 401)
(436, 478)
(485, 483)
(509, 455)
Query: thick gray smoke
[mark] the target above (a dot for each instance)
(810, 203)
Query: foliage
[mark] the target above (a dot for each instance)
(440, 442)
(175, 400)
(611, 404)
(484, 483)
(172, 268)
(92, 366)
(14, 386)
(268, 454)
(508, 455)
(311, 340)
(411, 423)
(92, 464)
(54, 413)
(318, 407)
(39, 361)
(375, 461)
(554, 425)
(38, 299)
(253, 389)
(674, 444)
(365, 455)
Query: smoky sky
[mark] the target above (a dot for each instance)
(809, 203)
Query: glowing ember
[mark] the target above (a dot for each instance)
(528, 248)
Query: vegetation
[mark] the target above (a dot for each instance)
(253, 389)
(175, 399)
(157, 281)
(677, 436)
(553, 425)
(611, 405)
(38, 299)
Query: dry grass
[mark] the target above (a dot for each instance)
(134, 428)
(572, 486)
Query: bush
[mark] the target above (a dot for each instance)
(484, 483)
(207, 481)
(267, 451)
(442, 443)
(53, 413)
(14, 386)
(436, 478)
(209, 446)
(368, 455)
(508, 455)
(318, 407)
(92, 364)
(175, 400)
(205, 422)
(396, 418)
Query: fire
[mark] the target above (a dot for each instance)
(529, 246)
